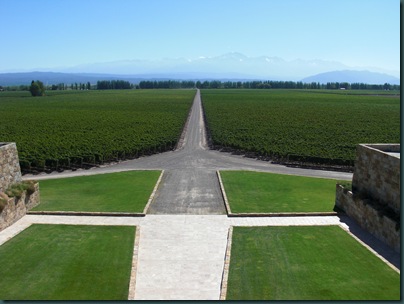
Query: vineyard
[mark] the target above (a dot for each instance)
(299, 126)
(72, 129)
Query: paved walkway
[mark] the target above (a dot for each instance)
(181, 257)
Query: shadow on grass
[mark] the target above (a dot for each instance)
(368, 239)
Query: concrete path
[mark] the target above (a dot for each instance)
(181, 257)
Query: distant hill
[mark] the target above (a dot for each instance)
(49, 78)
(352, 76)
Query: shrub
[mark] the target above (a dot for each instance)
(16, 190)
(347, 185)
(3, 200)
(37, 88)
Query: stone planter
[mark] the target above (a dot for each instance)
(16, 208)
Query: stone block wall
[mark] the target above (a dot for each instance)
(377, 174)
(16, 208)
(10, 172)
(369, 218)
(374, 202)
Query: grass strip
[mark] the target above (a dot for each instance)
(62, 262)
(114, 192)
(258, 192)
(306, 263)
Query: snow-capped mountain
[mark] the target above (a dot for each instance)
(227, 66)
(221, 66)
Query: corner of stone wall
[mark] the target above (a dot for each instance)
(16, 208)
(10, 172)
(361, 211)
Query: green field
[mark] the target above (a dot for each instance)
(258, 192)
(61, 262)
(114, 192)
(306, 263)
(72, 128)
(299, 125)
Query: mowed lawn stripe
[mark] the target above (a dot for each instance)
(113, 192)
(258, 192)
(306, 263)
(62, 262)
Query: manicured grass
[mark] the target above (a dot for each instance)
(115, 192)
(62, 262)
(257, 192)
(306, 263)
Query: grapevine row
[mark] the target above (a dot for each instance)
(298, 126)
(67, 131)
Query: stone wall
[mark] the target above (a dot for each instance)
(369, 217)
(16, 208)
(10, 172)
(374, 202)
(377, 174)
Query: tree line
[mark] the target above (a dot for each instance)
(257, 84)
(167, 84)
(114, 85)
(209, 84)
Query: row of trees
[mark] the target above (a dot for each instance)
(166, 84)
(73, 86)
(213, 84)
(217, 84)
(114, 85)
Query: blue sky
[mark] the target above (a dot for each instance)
(63, 33)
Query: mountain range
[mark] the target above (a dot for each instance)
(230, 66)
(351, 76)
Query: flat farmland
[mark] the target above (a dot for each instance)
(71, 128)
(293, 125)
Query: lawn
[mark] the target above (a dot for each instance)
(114, 192)
(62, 262)
(258, 192)
(306, 263)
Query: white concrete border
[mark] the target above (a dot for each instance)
(225, 277)
(11, 231)
(153, 193)
(132, 282)
(226, 202)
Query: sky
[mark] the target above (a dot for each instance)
(65, 33)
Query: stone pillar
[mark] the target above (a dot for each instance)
(10, 172)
